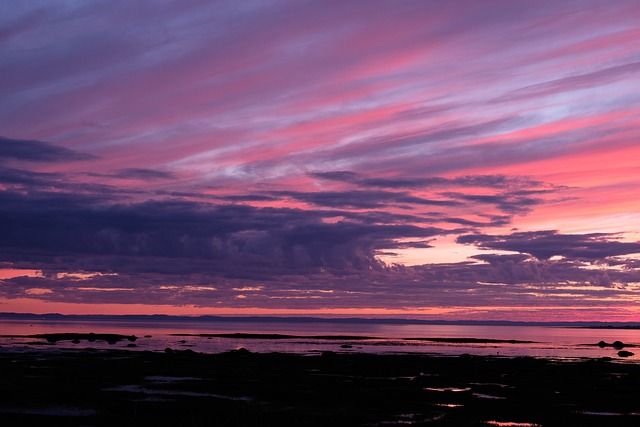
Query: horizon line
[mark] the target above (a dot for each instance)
(330, 318)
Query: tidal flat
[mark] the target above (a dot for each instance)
(92, 387)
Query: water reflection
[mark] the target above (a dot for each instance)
(509, 341)
(511, 424)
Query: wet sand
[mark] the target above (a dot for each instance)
(183, 388)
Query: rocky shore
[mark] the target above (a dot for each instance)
(240, 388)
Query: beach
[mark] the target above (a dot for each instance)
(90, 387)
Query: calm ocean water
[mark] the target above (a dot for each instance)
(546, 341)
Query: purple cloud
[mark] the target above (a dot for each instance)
(546, 244)
(138, 174)
(37, 151)
(131, 236)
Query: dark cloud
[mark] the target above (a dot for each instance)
(463, 221)
(546, 244)
(175, 250)
(184, 195)
(183, 252)
(21, 206)
(12, 176)
(249, 198)
(37, 151)
(403, 182)
(523, 279)
(361, 199)
(488, 181)
(510, 194)
(481, 181)
(194, 236)
(413, 200)
(510, 280)
(138, 174)
(340, 199)
(408, 245)
(383, 217)
(498, 258)
(508, 202)
(345, 176)
(52, 186)
(496, 181)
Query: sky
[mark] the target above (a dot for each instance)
(453, 159)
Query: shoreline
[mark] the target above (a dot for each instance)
(182, 387)
(262, 342)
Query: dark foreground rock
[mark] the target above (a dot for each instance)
(78, 337)
(618, 345)
(180, 388)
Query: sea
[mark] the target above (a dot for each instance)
(315, 336)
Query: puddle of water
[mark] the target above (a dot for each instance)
(144, 390)
(411, 419)
(488, 396)
(453, 389)
(166, 380)
(608, 414)
(53, 411)
(511, 424)
(491, 384)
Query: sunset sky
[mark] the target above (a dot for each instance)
(455, 159)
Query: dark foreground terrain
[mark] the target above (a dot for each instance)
(134, 388)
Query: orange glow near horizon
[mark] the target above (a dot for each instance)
(10, 273)
(527, 313)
